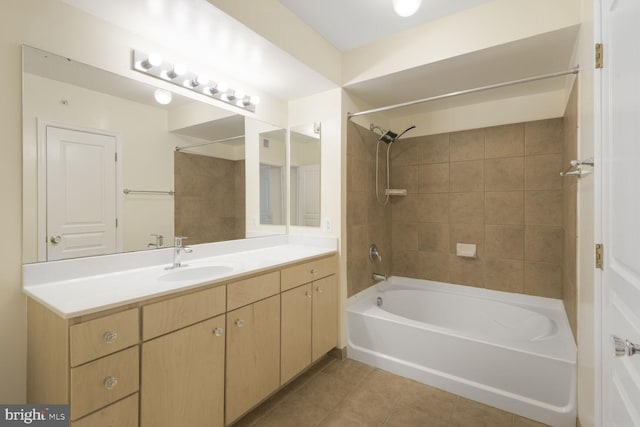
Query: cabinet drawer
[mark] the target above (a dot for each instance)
(121, 414)
(175, 313)
(99, 337)
(308, 272)
(104, 381)
(251, 290)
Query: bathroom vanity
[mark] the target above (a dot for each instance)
(155, 347)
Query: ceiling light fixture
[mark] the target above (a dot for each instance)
(405, 8)
(178, 74)
(162, 96)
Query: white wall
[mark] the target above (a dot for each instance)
(58, 28)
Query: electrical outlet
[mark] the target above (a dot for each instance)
(328, 224)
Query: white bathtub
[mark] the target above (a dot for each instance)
(515, 352)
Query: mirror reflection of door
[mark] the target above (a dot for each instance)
(80, 193)
(305, 179)
(271, 191)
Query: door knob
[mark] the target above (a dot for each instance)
(56, 239)
(624, 347)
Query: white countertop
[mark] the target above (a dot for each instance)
(70, 295)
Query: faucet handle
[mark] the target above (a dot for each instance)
(178, 240)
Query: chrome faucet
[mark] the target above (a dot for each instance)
(159, 241)
(177, 252)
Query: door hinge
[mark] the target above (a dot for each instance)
(599, 56)
(599, 256)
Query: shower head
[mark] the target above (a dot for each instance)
(387, 136)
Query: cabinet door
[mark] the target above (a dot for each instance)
(253, 355)
(183, 377)
(296, 331)
(325, 316)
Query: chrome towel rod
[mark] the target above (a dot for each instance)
(575, 168)
(466, 92)
(209, 143)
(128, 191)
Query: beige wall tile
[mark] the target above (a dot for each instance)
(467, 145)
(406, 209)
(434, 207)
(467, 233)
(433, 266)
(405, 235)
(504, 275)
(433, 237)
(504, 174)
(358, 176)
(466, 271)
(357, 208)
(543, 279)
(359, 142)
(505, 241)
(543, 207)
(543, 243)
(433, 148)
(403, 177)
(466, 208)
(405, 263)
(544, 136)
(504, 141)
(467, 176)
(433, 178)
(543, 172)
(504, 207)
(403, 152)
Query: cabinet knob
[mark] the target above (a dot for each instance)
(110, 382)
(239, 323)
(319, 289)
(217, 332)
(307, 294)
(313, 271)
(110, 337)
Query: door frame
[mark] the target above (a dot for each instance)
(42, 125)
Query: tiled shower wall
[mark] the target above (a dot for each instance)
(498, 188)
(570, 190)
(209, 199)
(367, 220)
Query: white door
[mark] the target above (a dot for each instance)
(621, 210)
(81, 193)
(309, 195)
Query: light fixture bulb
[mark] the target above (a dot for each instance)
(153, 60)
(202, 79)
(179, 69)
(222, 87)
(240, 94)
(405, 8)
(255, 100)
(162, 96)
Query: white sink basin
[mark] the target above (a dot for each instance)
(195, 273)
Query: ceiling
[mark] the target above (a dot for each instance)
(348, 24)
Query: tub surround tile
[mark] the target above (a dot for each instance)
(467, 176)
(433, 178)
(543, 207)
(544, 136)
(357, 208)
(433, 148)
(543, 244)
(404, 236)
(504, 275)
(434, 208)
(433, 266)
(466, 208)
(543, 279)
(504, 141)
(359, 178)
(405, 177)
(504, 174)
(504, 207)
(467, 233)
(433, 237)
(505, 241)
(543, 172)
(466, 271)
(467, 145)
(405, 263)
(403, 154)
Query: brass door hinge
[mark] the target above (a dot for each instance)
(599, 56)
(599, 256)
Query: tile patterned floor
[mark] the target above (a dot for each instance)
(347, 393)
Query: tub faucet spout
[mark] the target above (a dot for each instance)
(379, 277)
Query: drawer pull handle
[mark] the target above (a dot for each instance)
(307, 294)
(239, 323)
(313, 271)
(110, 337)
(110, 382)
(319, 289)
(217, 332)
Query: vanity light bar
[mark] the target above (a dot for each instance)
(153, 65)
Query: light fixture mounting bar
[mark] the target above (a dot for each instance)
(190, 80)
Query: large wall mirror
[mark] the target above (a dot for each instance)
(108, 168)
(305, 175)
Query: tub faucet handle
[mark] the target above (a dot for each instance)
(374, 254)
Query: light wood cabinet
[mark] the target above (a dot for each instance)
(325, 316)
(253, 355)
(182, 380)
(296, 331)
(123, 413)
